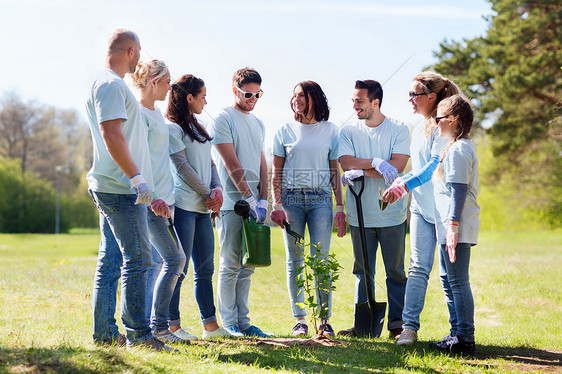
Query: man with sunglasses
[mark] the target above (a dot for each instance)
(378, 148)
(238, 138)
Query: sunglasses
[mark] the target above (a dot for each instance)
(413, 95)
(249, 95)
(437, 119)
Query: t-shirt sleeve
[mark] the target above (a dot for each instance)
(176, 138)
(458, 165)
(109, 102)
(220, 130)
(334, 148)
(345, 143)
(278, 146)
(402, 143)
(438, 145)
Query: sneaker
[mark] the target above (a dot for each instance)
(256, 331)
(456, 345)
(218, 333)
(408, 337)
(234, 331)
(300, 329)
(168, 337)
(182, 334)
(328, 330)
(441, 344)
(395, 333)
(348, 332)
(118, 340)
(153, 344)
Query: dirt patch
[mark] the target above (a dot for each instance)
(315, 341)
(524, 360)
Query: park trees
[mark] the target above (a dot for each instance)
(513, 76)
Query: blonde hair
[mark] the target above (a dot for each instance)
(433, 82)
(462, 111)
(148, 71)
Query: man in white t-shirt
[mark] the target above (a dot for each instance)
(120, 183)
(238, 138)
(378, 148)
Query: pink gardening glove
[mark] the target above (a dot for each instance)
(339, 221)
(452, 240)
(395, 192)
(160, 208)
(278, 215)
(215, 202)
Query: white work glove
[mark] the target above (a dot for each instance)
(144, 193)
(261, 210)
(348, 176)
(253, 205)
(389, 172)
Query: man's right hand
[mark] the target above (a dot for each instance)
(144, 193)
(253, 205)
(278, 215)
(349, 175)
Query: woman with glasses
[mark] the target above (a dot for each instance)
(427, 90)
(197, 190)
(305, 172)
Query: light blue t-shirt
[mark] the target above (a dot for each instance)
(247, 133)
(158, 142)
(362, 141)
(460, 165)
(422, 148)
(307, 150)
(198, 156)
(110, 99)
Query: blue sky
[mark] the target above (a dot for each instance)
(51, 49)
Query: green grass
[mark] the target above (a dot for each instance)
(45, 314)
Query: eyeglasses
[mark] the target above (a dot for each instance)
(437, 119)
(413, 95)
(249, 95)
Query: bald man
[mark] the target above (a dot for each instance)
(120, 183)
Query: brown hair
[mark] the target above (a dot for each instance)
(178, 109)
(244, 76)
(313, 92)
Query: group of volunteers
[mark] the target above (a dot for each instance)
(158, 181)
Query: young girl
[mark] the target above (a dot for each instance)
(457, 220)
(197, 191)
(153, 80)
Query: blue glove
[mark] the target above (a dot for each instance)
(253, 205)
(144, 193)
(389, 172)
(348, 176)
(261, 210)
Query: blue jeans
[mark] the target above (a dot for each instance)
(124, 242)
(422, 253)
(153, 274)
(392, 241)
(314, 209)
(234, 278)
(172, 269)
(195, 232)
(456, 284)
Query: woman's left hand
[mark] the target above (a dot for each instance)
(341, 224)
(160, 208)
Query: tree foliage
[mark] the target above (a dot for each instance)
(513, 76)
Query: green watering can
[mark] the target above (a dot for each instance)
(256, 238)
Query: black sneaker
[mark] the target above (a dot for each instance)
(328, 330)
(456, 345)
(118, 340)
(440, 344)
(300, 329)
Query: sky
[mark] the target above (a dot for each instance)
(52, 49)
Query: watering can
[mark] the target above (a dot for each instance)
(256, 238)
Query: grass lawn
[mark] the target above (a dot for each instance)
(45, 314)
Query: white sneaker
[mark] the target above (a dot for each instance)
(182, 334)
(407, 337)
(168, 337)
(218, 333)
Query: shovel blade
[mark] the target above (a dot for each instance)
(368, 322)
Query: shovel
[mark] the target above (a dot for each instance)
(369, 316)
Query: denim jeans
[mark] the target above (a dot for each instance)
(234, 278)
(124, 243)
(456, 284)
(173, 259)
(314, 209)
(195, 232)
(153, 274)
(422, 253)
(392, 241)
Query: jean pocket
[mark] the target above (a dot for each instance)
(107, 203)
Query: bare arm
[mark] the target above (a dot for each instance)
(117, 146)
(276, 178)
(232, 164)
(335, 180)
(262, 187)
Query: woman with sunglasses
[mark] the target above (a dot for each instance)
(426, 92)
(305, 171)
(153, 80)
(197, 190)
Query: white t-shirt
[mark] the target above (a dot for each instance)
(247, 133)
(362, 141)
(158, 142)
(198, 156)
(307, 150)
(110, 99)
(460, 165)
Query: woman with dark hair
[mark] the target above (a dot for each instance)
(197, 190)
(305, 171)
